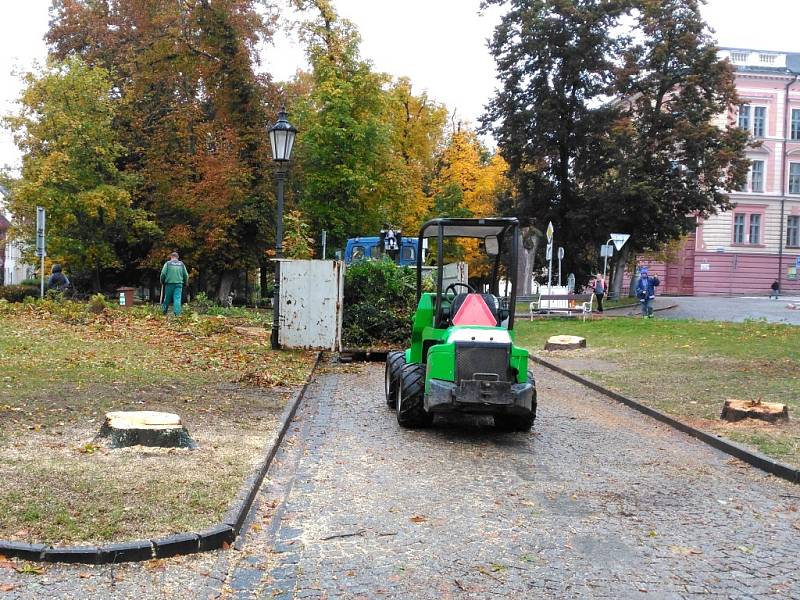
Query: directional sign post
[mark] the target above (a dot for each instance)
(607, 250)
(40, 245)
(550, 232)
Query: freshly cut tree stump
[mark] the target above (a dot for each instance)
(565, 342)
(736, 410)
(146, 428)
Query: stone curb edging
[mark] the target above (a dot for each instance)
(752, 457)
(212, 538)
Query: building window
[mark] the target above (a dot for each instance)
(794, 178)
(744, 117)
(796, 123)
(739, 57)
(738, 228)
(757, 176)
(755, 229)
(767, 59)
(793, 231)
(759, 121)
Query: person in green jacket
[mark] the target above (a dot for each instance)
(174, 277)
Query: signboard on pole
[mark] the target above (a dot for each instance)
(550, 231)
(619, 239)
(560, 253)
(606, 250)
(549, 252)
(40, 223)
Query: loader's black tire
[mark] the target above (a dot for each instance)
(394, 362)
(516, 422)
(410, 407)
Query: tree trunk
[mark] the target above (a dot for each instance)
(96, 279)
(527, 257)
(145, 428)
(263, 265)
(225, 283)
(736, 410)
(565, 342)
(619, 271)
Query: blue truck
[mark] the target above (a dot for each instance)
(403, 250)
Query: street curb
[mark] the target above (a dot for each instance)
(214, 537)
(756, 459)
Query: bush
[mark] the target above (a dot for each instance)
(31, 281)
(18, 293)
(202, 304)
(379, 302)
(98, 303)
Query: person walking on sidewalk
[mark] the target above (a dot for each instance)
(599, 286)
(646, 292)
(174, 277)
(775, 287)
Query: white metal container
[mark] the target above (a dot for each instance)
(311, 295)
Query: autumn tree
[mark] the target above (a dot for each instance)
(70, 148)
(192, 118)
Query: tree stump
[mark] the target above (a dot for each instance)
(736, 410)
(565, 342)
(146, 428)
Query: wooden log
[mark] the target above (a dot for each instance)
(565, 342)
(146, 428)
(736, 410)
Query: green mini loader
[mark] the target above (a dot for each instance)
(462, 357)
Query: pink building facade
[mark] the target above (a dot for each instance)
(744, 250)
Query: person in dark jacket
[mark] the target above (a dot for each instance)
(599, 286)
(174, 277)
(646, 292)
(58, 281)
(776, 288)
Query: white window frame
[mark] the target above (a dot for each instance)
(793, 231)
(755, 221)
(794, 178)
(749, 112)
(794, 125)
(739, 228)
(763, 122)
(751, 180)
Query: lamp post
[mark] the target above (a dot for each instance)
(281, 138)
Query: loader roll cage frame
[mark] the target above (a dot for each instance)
(498, 227)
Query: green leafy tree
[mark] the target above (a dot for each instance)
(672, 159)
(555, 61)
(66, 133)
(343, 147)
(645, 163)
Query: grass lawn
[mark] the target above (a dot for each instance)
(689, 368)
(523, 308)
(63, 368)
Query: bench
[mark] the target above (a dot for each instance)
(572, 304)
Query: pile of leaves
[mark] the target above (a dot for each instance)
(379, 302)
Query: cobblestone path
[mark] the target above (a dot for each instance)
(597, 502)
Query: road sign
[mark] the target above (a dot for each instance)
(797, 262)
(40, 224)
(560, 253)
(619, 239)
(606, 250)
(550, 231)
(549, 255)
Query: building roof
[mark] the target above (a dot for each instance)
(751, 60)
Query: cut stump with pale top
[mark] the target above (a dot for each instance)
(565, 342)
(736, 410)
(146, 428)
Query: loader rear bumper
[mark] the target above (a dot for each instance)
(481, 397)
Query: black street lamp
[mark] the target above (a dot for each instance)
(281, 137)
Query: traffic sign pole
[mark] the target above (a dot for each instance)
(40, 245)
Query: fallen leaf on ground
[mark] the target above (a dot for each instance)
(7, 587)
(29, 569)
(418, 519)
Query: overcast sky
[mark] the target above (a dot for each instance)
(439, 44)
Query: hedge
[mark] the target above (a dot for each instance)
(379, 302)
(17, 293)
